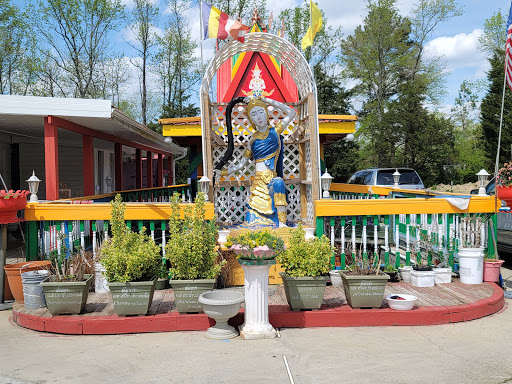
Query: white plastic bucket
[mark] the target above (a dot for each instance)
(100, 282)
(335, 278)
(405, 273)
(423, 278)
(443, 275)
(471, 265)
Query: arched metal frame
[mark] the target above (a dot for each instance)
(290, 57)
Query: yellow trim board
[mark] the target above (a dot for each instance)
(101, 211)
(181, 130)
(337, 127)
(370, 207)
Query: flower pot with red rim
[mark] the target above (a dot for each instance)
(505, 193)
(492, 270)
(10, 203)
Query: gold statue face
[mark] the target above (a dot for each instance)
(257, 113)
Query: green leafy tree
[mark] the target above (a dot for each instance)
(176, 65)
(494, 37)
(75, 38)
(490, 113)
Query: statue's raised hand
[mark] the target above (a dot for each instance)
(247, 99)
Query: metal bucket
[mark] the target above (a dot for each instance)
(32, 290)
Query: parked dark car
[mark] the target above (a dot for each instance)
(383, 177)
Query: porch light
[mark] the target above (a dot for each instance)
(33, 187)
(326, 180)
(396, 179)
(349, 137)
(482, 181)
(108, 182)
(204, 186)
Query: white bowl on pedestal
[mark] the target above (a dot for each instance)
(221, 305)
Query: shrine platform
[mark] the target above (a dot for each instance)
(442, 304)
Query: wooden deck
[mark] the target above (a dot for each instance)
(443, 303)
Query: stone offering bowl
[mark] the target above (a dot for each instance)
(221, 305)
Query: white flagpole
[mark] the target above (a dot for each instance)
(501, 121)
(201, 33)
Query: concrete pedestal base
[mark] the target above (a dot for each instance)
(256, 324)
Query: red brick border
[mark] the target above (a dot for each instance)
(280, 317)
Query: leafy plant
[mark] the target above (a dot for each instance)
(361, 264)
(256, 238)
(128, 256)
(504, 177)
(390, 268)
(68, 265)
(306, 257)
(191, 247)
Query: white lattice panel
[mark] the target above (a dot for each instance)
(291, 161)
(244, 174)
(293, 208)
(309, 172)
(309, 203)
(230, 203)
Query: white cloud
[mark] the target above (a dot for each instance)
(458, 51)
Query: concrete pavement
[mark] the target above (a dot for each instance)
(472, 352)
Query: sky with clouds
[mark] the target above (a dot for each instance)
(455, 41)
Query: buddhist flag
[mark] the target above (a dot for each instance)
(218, 25)
(314, 27)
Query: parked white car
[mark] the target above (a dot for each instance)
(383, 177)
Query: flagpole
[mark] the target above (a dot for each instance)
(201, 36)
(501, 121)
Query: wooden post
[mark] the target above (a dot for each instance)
(51, 160)
(208, 142)
(88, 164)
(149, 169)
(138, 168)
(160, 171)
(118, 162)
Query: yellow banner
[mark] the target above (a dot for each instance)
(314, 27)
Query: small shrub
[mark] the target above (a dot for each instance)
(306, 257)
(191, 246)
(128, 256)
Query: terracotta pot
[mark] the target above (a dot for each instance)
(505, 193)
(10, 207)
(13, 273)
(492, 270)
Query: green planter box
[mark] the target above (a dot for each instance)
(66, 297)
(132, 298)
(304, 292)
(187, 292)
(364, 291)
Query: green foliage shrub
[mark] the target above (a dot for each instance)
(128, 256)
(191, 246)
(306, 257)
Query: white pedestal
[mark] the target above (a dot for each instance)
(256, 325)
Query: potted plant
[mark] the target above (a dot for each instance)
(392, 271)
(471, 251)
(10, 203)
(131, 261)
(364, 282)
(422, 274)
(504, 183)
(67, 289)
(192, 253)
(306, 264)
(256, 244)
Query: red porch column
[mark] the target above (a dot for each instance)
(149, 168)
(88, 164)
(118, 163)
(51, 160)
(170, 174)
(160, 171)
(138, 169)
